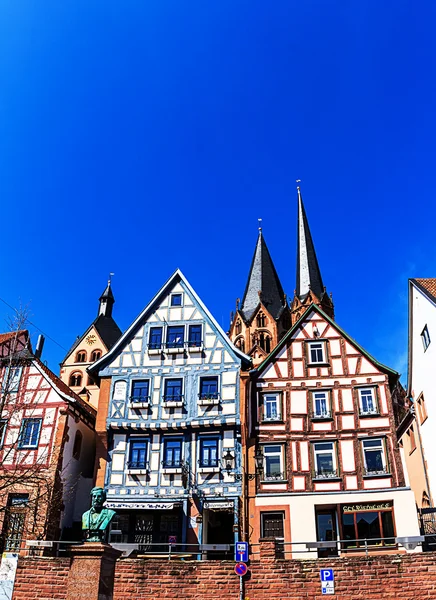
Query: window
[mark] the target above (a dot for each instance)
(238, 327)
(155, 340)
(209, 452)
(81, 356)
(374, 457)
(194, 339)
(175, 336)
(140, 390)
(209, 388)
(272, 409)
(3, 425)
(412, 441)
(422, 409)
(240, 343)
(138, 454)
(11, 380)
(273, 526)
(95, 355)
(77, 445)
(265, 341)
(371, 524)
(173, 390)
(367, 402)
(75, 379)
(324, 454)
(321, 405)
(316, 353)
(13, 524)
(425, 337)
(29, 434)
(176, 299)
(273, 464)
(172, 453)
(261, 320)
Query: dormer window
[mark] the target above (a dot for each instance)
(81, 356)
(316, 353)
(176, 300)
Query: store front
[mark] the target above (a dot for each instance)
(151, 525)
(219, 525)
(367, 524)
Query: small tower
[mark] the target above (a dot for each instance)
(263, 315)
(309, 288)
(97, 340)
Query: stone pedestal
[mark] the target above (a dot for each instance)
(92, 572)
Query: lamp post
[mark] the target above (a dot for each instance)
(229, 461)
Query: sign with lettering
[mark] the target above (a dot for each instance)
(327, 581)
(218, 505)
(120, 389)
(347, 508)
(142, 505)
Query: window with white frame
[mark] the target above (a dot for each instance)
(29, 433)
(324, 456)
(425, 337)
(374, 456)
(321, 404)
(3, 425)
(273, 462)
(316, 353)
(367, 401)
(272, 406)
(138, 448)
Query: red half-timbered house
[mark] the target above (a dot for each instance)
(321, 416)
(46, 448)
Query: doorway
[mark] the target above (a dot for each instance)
(219, 530)
(326, 531)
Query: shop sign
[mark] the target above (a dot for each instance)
(347, 508)
(218, 505)
(142, 505)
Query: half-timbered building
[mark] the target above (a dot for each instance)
(47, 447)
(168, 412)
(322, 418)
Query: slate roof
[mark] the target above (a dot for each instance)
(108, 292)
(262, 278)
(308, 271)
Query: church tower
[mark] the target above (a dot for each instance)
(310, 288)
(95, 342)
(263, 316)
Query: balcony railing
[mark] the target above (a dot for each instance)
(138, 464)
(181, 345)
(324, 414)
(204, 463)
(172, 464)
(326, 474)
(173, 398)
(369, 412)
(209, 396)
(371, 471)
(273, 476)
(139, 399)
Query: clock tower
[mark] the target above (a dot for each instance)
(94, 343)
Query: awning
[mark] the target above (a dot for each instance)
(142, 505)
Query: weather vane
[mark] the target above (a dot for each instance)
(298, 181)
(110, 277)
(260, 224)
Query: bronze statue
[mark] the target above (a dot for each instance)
(95, 521)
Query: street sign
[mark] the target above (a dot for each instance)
(172, 539)
(327, 581)
(241, 569)
(241, 551)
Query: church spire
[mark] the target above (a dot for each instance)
(309, 287)
(263, 283)
(106, 301)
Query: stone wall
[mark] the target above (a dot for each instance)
(399, 576)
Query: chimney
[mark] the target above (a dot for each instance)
(39, 346)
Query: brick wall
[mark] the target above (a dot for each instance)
(403, 577)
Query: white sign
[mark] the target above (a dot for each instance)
(142, 505)
(120, 389)
(218, 505)
(8, 568)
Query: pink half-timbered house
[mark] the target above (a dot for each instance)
(46, 448)
(322, 417)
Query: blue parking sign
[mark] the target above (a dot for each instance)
(327, 575)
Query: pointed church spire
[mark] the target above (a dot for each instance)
(263, 283)
(106, 301)
(309, 287)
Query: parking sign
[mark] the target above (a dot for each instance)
(327, 581)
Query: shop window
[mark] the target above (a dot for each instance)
(138, 453)
(273, 462)
(155, 338)
(321, 404)
(316, 353)
(75, 379)
(209, 451)
(372, 523)
(81, 356)
(140, 390)
(172, 453)
(367, 402)
(194, 336)
(173, 390)
(96, 354)
(77, 448)
(29, 433)
(175, 336)
(271, 406)
(324, 454)
(374, 457)
(209, 388)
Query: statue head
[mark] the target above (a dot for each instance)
(98, 496)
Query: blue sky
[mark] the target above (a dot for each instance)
(138, 137)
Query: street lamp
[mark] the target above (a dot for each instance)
(229, 461)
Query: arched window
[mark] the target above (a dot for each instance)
(240, 343)
(81, 356)
(77, 445)
(95, 355)
(75, 379)
(265, 342)
(238, 327)
(261, 320)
